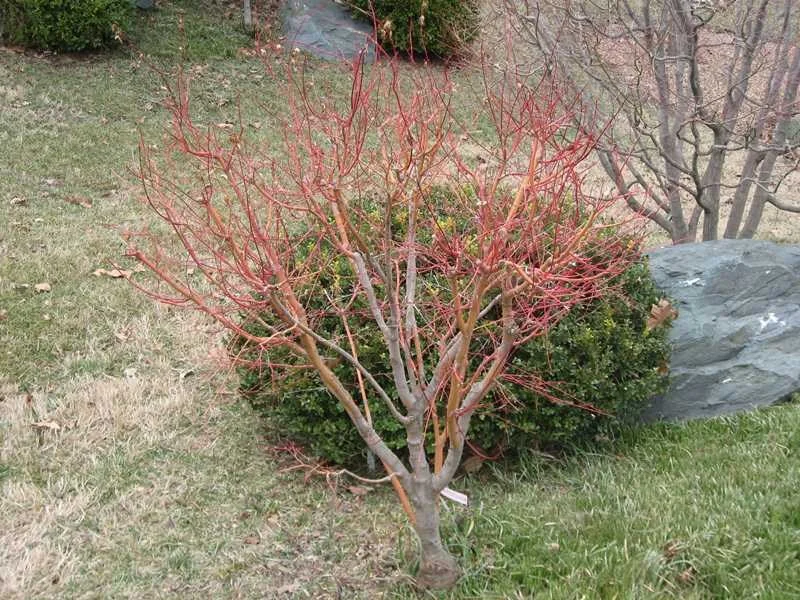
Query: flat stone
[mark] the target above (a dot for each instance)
(736, 341)
(326, 29)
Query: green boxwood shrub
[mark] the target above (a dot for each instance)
(63, 25)
(600, 355)
(440, 28)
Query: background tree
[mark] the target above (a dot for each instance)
(703, 92)
(333, 220)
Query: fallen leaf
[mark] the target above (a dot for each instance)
(53, 182)
(659, 313)
(18, 201)
(51, 425)
(3, 314)
(79, 201)
(42, 287)
(129, 373)
(358, 490)
(554, 547)
(686, 576)
(113, 273)
(671, 549)
(289, 588)
(120, 336)
(139, 268)
(252, 540)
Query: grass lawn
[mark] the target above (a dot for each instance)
(130, 468)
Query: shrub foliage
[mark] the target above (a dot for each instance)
(601, 359)
(63, 25)
(435, 27)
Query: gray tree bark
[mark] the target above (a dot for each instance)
(689, 85)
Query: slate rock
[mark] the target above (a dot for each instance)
(736, 341)
(327, 29)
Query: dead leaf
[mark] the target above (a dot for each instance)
(129, 373)
(79, 201)
(671, 549)
(53, 182)
(3, 314)
(51, 425)
(554, 547)
(659, 313)
(289, 588)
(358, 490)
(139, 268)
(42, 287)
(122, 337)
(686, 576)
(473, 464)
(252, 540)
(113, 273)
(18, 201)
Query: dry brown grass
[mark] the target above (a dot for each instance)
(156, 484)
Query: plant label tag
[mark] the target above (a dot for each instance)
(455, 496)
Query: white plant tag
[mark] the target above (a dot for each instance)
(455, 496)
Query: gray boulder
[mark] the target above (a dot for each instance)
(326, 29)
(736, 341)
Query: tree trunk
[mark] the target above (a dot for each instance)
(438, 569)
(247, 15)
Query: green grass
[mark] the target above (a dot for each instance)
(705, 510)
(209, 29)
(157, 484)
(69, 128)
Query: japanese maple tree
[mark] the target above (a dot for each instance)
(453, 286)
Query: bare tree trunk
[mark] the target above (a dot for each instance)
(754, 158)
(764, 193)
(247, 15)
(438, 569)
(710, 190)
